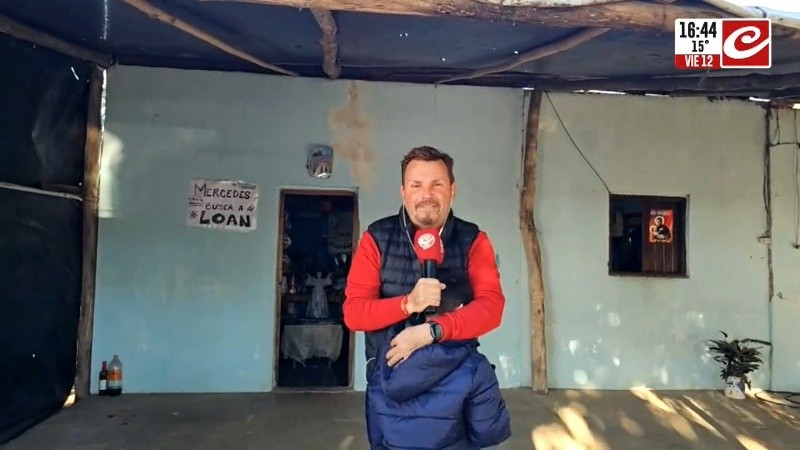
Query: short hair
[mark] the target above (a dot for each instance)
(427, 153)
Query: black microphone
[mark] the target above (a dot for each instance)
(429, 268)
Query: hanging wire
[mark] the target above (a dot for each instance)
(558, 116)
(796, 243)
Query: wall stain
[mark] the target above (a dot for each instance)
(352, 136)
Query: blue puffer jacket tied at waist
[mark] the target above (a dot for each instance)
(444, 396)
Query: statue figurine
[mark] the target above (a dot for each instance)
(318, 305)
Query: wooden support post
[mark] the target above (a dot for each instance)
(532, 251)
(91, 194)
(328, 42)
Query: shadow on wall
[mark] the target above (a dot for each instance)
(110, 163)
(142, 178)
(607, 358)
(640, 418)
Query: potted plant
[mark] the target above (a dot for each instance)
(738, 359)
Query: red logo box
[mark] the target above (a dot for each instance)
(746, 44)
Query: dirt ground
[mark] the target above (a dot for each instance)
(561, 419)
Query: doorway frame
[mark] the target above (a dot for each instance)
(316, 192)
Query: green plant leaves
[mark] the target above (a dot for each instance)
(736, 356)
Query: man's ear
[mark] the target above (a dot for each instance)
(453, 191)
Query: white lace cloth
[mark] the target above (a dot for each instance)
(302, 342)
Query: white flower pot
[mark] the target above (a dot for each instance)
(735, 388)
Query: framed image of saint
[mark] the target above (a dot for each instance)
(660, 228)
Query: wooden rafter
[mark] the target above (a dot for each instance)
(328, 42)
(710, 85)
(530, 239)
(158, 14)
(628, 15)
(60, 191)
(552, 3)
(13, 28)
(739, 11)
(532, 55)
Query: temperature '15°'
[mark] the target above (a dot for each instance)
(699, 46)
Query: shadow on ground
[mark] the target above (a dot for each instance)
(563, 419)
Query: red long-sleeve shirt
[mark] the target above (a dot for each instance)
(364, 310)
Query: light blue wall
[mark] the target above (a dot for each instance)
(621, 332)
(786, 258)
(191, 310)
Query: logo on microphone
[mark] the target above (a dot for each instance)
(426, 240)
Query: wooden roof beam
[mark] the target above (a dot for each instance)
(328, 42)
(738, 11)
(709, 85)
(628, 15)
(158, 14)
(13, 28)
(553, 3)
(532, 55)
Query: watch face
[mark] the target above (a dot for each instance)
(436, 331)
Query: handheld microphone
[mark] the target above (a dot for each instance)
(430, 251)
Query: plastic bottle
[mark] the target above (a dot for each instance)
(114, 377)
(103, 380)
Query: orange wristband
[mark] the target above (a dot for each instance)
(403, 304)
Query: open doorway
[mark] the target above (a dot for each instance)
(316, 238)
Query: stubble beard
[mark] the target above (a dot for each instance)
(427, 218)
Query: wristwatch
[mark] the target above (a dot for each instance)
(436, 331)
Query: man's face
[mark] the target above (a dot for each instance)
(427, 193)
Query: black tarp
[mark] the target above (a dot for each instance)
(42, 133)
(42, 115)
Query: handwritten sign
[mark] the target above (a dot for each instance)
(224, 205)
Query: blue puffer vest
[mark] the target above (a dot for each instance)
(445, 396)
(400, 267)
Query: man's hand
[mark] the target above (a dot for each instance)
(427, 292)
(407, 341)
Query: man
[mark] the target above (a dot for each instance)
(385, 285)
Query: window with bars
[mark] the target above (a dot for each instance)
(647, 235)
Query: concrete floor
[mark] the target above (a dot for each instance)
(640, 419)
